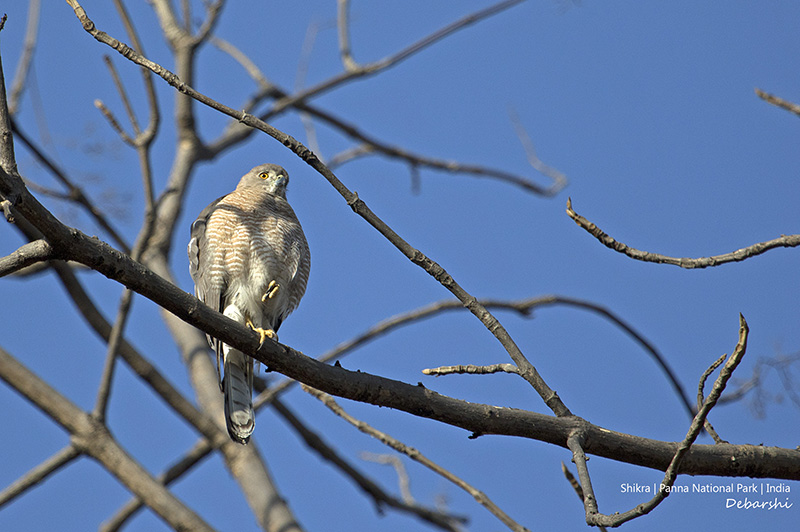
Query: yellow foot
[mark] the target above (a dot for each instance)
(263, 333)
(272, 289)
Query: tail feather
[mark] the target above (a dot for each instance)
(237, 385)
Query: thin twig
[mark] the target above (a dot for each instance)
(471, 369)
(123, 94)
(38, 474)
(576, 486)
(785, 241)
(75, 193)
(28, 47)
(779, 102)
(701, 398)
(115, 339)
(369, 69)
(559, 179)
(113, 122)
(148, 135)
(593, 517)
(527, 370)
(314, 441)
(24, 256)
(417, 456)
(343, 25)
(371, 145)
(300, 79)
(572, 481)
(403, 480)
(213, 10)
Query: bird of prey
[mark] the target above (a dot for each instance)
(249, 259)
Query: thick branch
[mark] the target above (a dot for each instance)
(74, 192)
(593, 517)
(721, 460)
(527, 370)
(90, 437)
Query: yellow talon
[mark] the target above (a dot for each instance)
(272, 289)
(263, 333)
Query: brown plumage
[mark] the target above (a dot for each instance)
(249, 259)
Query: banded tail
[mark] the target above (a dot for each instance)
(237, 385)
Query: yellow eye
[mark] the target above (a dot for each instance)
(263, 175)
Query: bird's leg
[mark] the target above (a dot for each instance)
(272, 290)
(263, 333)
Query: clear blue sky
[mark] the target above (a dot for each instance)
(649, 110)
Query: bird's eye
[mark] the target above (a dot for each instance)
(263, 175)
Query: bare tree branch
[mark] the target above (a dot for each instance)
(785, 241)
(30, 253)
(403, 481)
(38, 474)
(471, 369)
(74, 192)
(343, 26)
(701, 399)
(28, 47)
(92, 438)
(370, 69)
(559, 179)
(757, 461)
(779, 102)
(572, 481)
(417, 456)
(577, 439)
(148, 135)
(523, 307)
(201, 450)
(379, 496)
(372, 145)
(527, 370)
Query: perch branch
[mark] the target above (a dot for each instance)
(527, 370)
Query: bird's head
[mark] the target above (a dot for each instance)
(271, 177)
